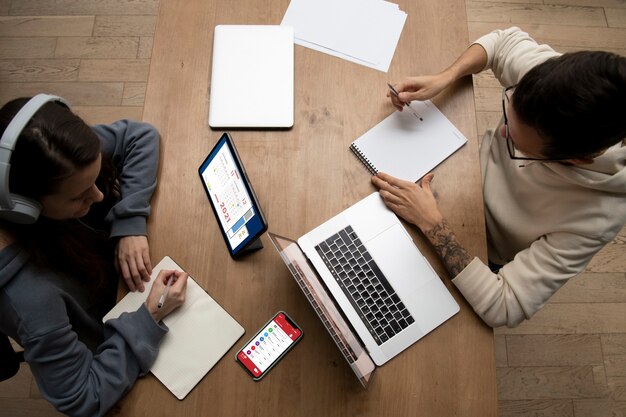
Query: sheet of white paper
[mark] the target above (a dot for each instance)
(361, 31)
(385, 58)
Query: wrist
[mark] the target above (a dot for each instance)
(450, 75)
(426, 225)
(154, 312)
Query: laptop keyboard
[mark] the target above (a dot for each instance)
(378, 305)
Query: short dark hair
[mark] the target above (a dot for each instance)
(577, 102)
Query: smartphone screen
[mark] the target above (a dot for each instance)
(269, 345)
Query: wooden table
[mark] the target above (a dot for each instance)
(303, 176)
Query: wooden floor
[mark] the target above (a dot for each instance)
(569, 360)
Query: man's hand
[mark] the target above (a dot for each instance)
(421, 88)
(416, 204)
(413, 202)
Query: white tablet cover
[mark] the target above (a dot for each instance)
(252, 78)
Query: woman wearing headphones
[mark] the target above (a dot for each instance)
(73, 206)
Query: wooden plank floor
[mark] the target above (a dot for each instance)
(569, 360)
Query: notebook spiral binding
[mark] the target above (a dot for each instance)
(366, 162)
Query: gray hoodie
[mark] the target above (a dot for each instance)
(82, 367)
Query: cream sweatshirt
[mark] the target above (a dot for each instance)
(545, 221)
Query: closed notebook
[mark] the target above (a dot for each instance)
(200, 333)
(406, 147)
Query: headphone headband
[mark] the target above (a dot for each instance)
(11, 203)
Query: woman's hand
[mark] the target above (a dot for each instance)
(421, 88)
(174, 298)
(413, 202)
(132, 259)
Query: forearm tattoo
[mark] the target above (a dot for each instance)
(454, 256)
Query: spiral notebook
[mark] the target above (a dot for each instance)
(406, 147)
(200, 333)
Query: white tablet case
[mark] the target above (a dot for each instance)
(252, 77)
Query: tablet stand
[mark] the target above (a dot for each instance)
(254, 246)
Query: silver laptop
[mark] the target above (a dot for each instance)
(371, 286)
(252, 77)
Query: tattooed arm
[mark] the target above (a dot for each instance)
(454, 256)
(416, 204)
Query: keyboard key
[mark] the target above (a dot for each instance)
(389, 331)
(396, 327)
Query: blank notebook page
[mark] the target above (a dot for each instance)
(407, 148)
(200, 333)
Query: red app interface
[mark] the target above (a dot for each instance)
(268, 345)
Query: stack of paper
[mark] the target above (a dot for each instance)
(361, 31)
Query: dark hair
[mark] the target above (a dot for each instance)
(54, 144)
(576, 102)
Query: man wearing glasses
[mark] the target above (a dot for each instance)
(554, 172)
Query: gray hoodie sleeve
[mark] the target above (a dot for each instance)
(79, 383)
(134, 149)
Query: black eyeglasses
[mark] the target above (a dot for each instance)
(510, 146)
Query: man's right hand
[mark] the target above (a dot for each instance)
(420, 88)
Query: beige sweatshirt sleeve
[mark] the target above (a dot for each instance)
(511, 53)
(524, 285)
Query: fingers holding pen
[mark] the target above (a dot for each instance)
(167, 294)
(423, 87)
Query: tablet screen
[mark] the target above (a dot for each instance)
(232, 198)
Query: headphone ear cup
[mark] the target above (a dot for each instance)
(24, 211)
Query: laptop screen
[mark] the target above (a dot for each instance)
(309, 282)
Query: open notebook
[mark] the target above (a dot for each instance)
(201, 332)
(406, 147)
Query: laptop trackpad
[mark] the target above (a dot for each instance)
(399, 259)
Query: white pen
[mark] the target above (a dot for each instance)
(395, 93)
(170, 281)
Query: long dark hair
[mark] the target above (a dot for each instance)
(576, 102)
(55, 144)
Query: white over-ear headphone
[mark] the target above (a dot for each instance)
(13, 207)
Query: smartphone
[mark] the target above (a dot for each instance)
(277, 337)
